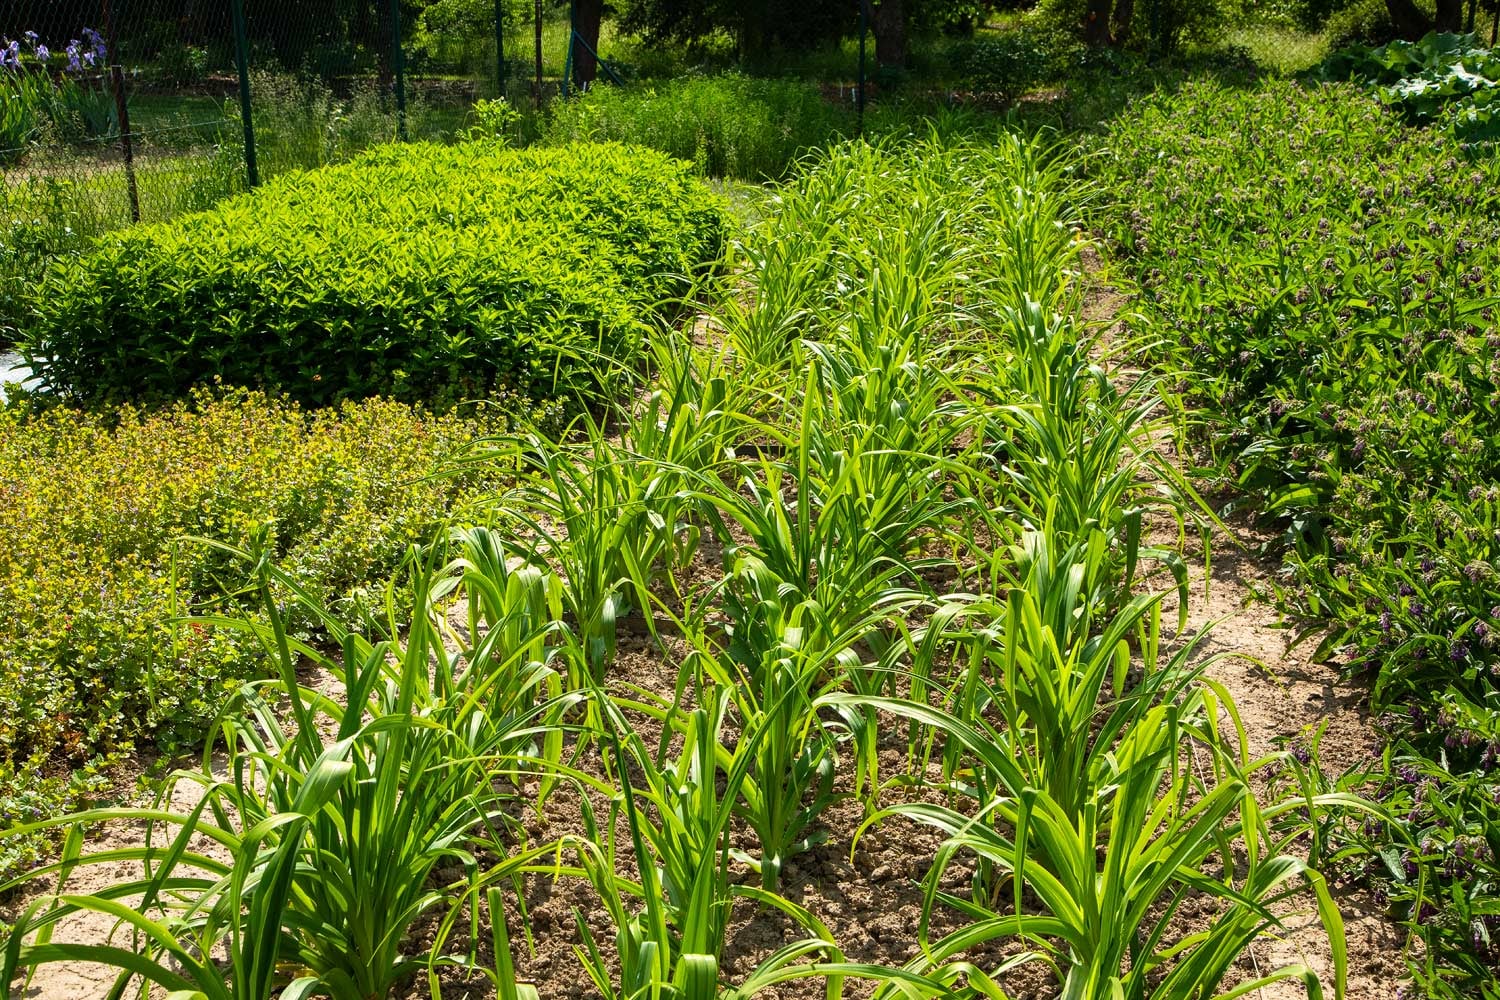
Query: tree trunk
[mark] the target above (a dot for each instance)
(752, 40)
(1120, 22)
(888, 25)
(536, 24)
(1450, 15)
(385, 72)
(1096, 24)
(585, 64)
(1408, 21)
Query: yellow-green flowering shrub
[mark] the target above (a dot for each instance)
(95, 572)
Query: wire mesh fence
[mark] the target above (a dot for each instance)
(114, 112)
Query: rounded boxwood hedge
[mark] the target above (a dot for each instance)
(420, 272)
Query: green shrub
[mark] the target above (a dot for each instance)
(1327, 292)
(93, 575)
(1364, 22)
(728, 126)
(420, 272)
(1444, 77)
(1308, 15)
(1163, 25)
(1012, 63)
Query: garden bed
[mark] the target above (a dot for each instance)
(694, 678)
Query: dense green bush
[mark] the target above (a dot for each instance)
(1013, 62)
(1364, 22)
(94, 574)
(1443, 77)
(728, 126)
(420, 272)
(1160, 26)
(1309, 15)
(1321, 283)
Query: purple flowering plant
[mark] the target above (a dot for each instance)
(1339, 339)
(40, 85)
(30, 52)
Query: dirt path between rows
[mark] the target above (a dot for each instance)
(1282, 695)
(1280, 692)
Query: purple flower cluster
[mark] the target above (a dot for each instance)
(91, 51)
(82, 54)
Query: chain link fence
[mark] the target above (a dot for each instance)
(114, 112)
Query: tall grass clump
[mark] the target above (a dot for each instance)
(726, 126)
(318, 849)
(301, 124)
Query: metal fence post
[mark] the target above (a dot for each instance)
(117, 77)
(242, 64)
(864, 30)
(537, 92)
(567, 77)
(398, 55)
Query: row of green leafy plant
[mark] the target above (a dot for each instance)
(420, 272)
(930, 501)
(1317, 281)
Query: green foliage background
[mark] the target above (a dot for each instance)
(726, 126)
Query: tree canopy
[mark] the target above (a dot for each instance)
(759, 26)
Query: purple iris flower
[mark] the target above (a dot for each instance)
(96, 44)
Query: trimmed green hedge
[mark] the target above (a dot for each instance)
(420, 272)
